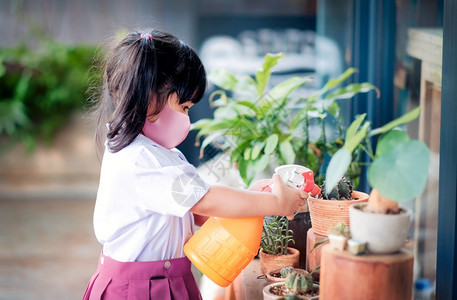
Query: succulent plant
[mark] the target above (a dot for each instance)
(342, 191)
(286, 271)
(299, 282)
(340, 229)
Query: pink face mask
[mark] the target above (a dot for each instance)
(170, 129)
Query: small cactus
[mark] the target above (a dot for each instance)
(299, 282)
(286, 271)
(342, 191)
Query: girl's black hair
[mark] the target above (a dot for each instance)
(143, 65)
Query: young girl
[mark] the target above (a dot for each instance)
(149, 196)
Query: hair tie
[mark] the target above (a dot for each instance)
(149, 36)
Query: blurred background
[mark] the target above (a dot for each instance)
(48, 164)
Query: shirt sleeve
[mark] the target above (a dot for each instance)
(169, 190)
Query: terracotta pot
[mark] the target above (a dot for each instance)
(329, 213)
(270, 262)
(383, 233)
(270, 274)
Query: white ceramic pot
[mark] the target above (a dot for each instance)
(338, 242)
(383, 233)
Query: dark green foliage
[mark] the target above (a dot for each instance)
(342, 191)
(40, 88)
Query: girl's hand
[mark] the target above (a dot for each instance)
(290, 199)
(259, 185)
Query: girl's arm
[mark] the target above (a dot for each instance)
(228, 202)
(258, 185)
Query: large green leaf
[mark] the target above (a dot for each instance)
(208, 140)
(287, 152)
(200, 124)
(337, 168)
(352, 129)
(390, 140)
(262, 163)
(355, 140)
(351, 90)
(258, 146)
(406, 118)
(271, 143)
(222, 78)
(332, 83)
(401, 174)
(263, 75)
(283, 89)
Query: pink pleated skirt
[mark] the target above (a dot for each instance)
(164, 280)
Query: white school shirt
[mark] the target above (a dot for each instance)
(143, 201)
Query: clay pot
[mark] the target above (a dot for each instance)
(383, 233)
(270, 262)
(328, 213)
(270, 274)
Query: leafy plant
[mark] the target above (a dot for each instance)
(342, 190)
(399, 167)
(40, 88)
(259, 125)
(276, 235)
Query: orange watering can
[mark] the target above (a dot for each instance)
(223, 247)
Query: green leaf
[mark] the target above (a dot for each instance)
(351, 90)
(223, 79)
(401, 174)
(337, 167)
(352, 129)
(332, 83)
(271, 143)
(249, 105)
(262, 163)
(390, 140)
(258, 146)
(355, 140)
(287, 152)
(283, 89)
(247, 153)
(22, 86)
(263, 75)
(200, 124)
(208, 140)
(406, 118)
(221, 101)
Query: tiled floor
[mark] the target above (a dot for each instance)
(47, 248)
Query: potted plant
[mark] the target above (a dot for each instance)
(398, 173)
(338, 236)
(262, 126)
(330, 208)
(279, 275)
(295, 286)
(274, 250)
